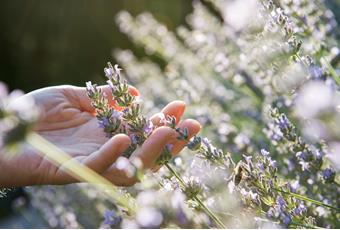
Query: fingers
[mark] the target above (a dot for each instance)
(102, 159)
(174, 108)
(83, 102)
(151, 149)
(148, 153)
(98, 161)
(193, 127)
(119, 177)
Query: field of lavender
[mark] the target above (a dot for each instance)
(262, 78)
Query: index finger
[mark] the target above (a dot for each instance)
(174, 108)
(84, 102)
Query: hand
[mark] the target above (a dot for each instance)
(68, 121)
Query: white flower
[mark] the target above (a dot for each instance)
(124, 164)
(240, 13)
(146, 198)
(314, 98)
(149, 217)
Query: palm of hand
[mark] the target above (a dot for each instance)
(68, 122)
(68, 125)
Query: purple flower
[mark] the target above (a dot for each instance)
(272, 163)
(253, 196)
(276, 136)
(103, 123)
(90, 88)
(270, 183)
(250, 195)
(264, 152)
(260, 165)
(109, 82)
(111, 218)
(148, 127)
(247, 158)
(271, 213)
(244, 192)
(169, 147)
(281, 203)
(133, 138)
(315, 72)
(283, 122)
(299, 209)
(117, 115)
(206, 142)
(304, 165)
(319, 154)
(302, 155)
(286, 219)
(108, 72)
(328, 175)
(294, 186)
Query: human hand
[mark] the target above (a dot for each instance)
(68, 121)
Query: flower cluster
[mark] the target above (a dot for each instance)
(138, 127)
(263, 189)
(124, 117)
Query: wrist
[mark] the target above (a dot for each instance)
(19, 169)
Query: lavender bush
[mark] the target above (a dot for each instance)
(263, 81)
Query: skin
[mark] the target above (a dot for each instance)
(68, 121)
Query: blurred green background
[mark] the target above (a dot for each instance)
(46, 42)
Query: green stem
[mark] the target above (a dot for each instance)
(300, 59)
(198, 200)
(173, 172)
(209, 212)
(331, 71)
(308, 199)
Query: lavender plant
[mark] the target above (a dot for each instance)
(131, 122)
(261, 189)
(264, 84)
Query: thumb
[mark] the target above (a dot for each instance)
(102, 159)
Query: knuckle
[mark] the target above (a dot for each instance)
(129, 182)
(164, 130)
